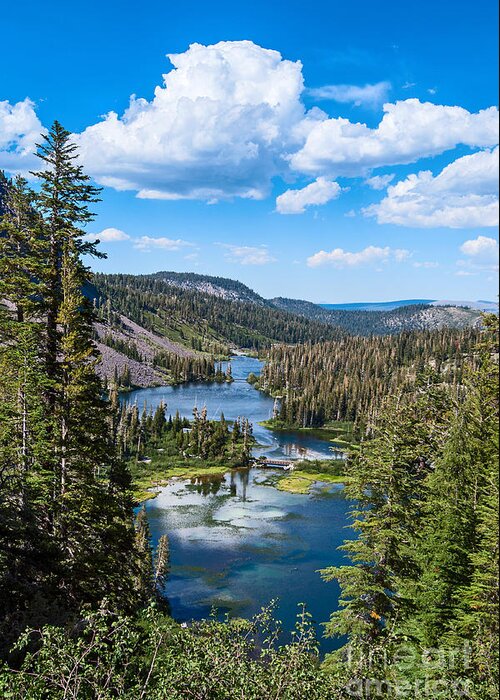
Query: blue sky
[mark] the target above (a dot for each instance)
(292, 177)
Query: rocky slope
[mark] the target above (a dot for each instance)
(220, 287)
(128, 334)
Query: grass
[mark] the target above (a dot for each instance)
(167, 462)
(159, 474)
(307, 473)
(300, 481)
(148, 478)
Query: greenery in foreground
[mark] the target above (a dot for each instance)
(80, 589)
(150, 656)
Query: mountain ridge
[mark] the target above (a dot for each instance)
(479, 305)
(221, 287)
(147, 319)
(384, 322)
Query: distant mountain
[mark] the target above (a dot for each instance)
(376, 305)
(200, 315)
(384, 322)
(480, 305)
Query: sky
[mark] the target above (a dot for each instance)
(335, 152)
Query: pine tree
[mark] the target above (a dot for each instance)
(65, 195)
(161, 563)
(68, 538)
(388, 485)
(457, 596)
(25, 425)
(22, 250)
(146, 577)
(424, 579)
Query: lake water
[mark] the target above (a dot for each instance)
(238, 399)
(236, 541)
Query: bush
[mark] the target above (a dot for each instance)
(110, 656)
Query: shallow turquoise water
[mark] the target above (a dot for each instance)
(237, 543)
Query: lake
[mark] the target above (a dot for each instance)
(236, 400)
(236, 541)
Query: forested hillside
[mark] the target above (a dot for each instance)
(170, 327)
(348, 379)
(419, 602)
(200, 320)
(132, 356)
(203, 312)
(403, 318)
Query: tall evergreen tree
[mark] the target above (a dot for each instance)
(67, 535)
(23, 250)
(64, 199)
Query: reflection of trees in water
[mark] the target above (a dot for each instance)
(216, 484)
(244, 477)
(232, 485)
(207, 485)
(211, 483)
(291, 449)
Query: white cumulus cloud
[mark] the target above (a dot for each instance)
(20, 131)
(218, 127)
(230, 117)
(480, 247)
(148, 243)
(108, 235)
(379, 182)
(369, 95)
(481, 253)
(319, 192)
(462, 195)
(247, 255)
(409, 130)
(371, 254)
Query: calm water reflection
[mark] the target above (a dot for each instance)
(234, 400)
(237, 542)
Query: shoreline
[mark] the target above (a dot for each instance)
(340, 434)
(148, 478)
(142, 487)
(298, 481)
